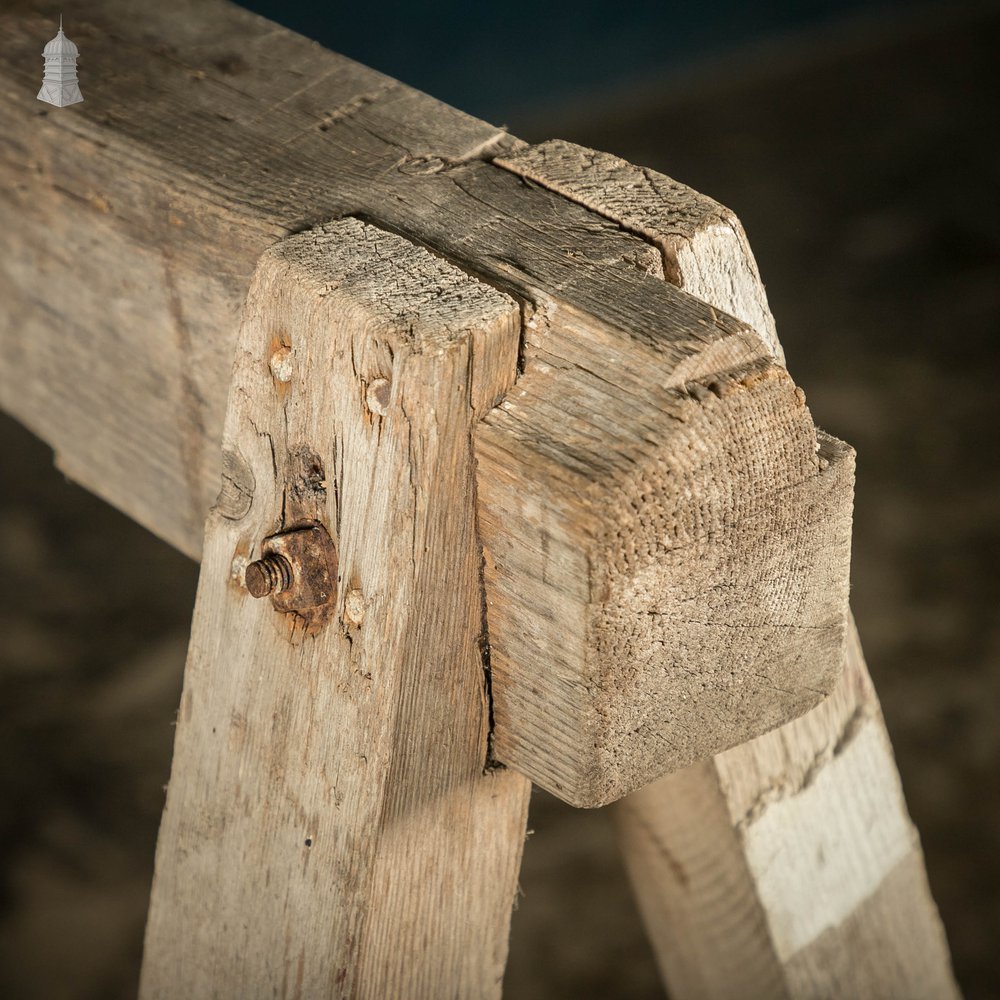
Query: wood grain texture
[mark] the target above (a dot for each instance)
(788, 867)
(137, 223)
(705, 250)
(137, 226)
(331, 828)
(666, 568)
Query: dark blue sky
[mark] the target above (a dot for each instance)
(495, 59)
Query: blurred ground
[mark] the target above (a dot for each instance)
(867, 179)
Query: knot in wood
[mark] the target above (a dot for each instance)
(377, 396)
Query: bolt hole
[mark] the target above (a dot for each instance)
(377, 396)
(282, 364)
(309, 841)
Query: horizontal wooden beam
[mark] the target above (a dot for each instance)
(207, 134)
(664, 445)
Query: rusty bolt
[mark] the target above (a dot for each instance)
(297, 568)
(269, 575)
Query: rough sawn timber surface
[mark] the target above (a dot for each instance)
(666, 565)
(330, 828)
(788, 866)
(705, 250)
(138, 223)
(676, 545)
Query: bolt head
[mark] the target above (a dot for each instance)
(298, 569)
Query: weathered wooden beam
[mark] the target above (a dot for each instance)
(655, 434)
(207, 134)
(788, 866)
(664, 533)
(332, 827)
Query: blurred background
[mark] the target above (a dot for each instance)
(858, 143)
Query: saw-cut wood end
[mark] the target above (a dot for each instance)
(650, 608)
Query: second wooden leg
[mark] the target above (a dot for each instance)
(788, 867)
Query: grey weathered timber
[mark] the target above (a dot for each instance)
(586, 526)
(331, 827)
(787, 866)
(139, 223)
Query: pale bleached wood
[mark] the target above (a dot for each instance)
(786, 867)
(138, 224)
(332, 828)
